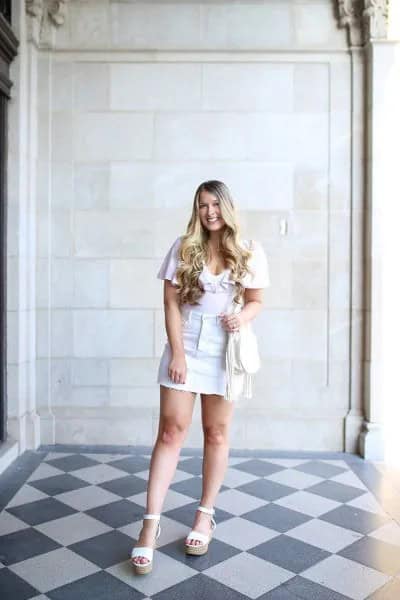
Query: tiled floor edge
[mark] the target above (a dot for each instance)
(253, 453)
(17, 474)
(379, 485)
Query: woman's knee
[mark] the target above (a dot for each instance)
(216, 434)
(173, 432)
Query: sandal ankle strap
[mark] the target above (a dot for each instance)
(150, 516)
(209, 511)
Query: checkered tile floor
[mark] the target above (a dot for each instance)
(287, 529)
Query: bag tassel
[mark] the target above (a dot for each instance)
(229, 372)
(247, 386)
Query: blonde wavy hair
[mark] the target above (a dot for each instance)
(194, 250)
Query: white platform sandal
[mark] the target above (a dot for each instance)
(145, 551)
(198, 549)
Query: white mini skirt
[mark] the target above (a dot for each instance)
(204, 342)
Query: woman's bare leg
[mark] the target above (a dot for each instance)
(176, 410)
(216, 413)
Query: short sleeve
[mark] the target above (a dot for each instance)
(170, 263)
(258, 265)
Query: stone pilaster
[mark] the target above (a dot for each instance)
(367, 22)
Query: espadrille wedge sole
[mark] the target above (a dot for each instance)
(199, 549)
(145, 551)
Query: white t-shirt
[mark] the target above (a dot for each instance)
(219, 290)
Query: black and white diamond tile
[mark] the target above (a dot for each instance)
(41, 511)
(288, 528)
(73, 528)
(53, 569)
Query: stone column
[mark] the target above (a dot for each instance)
(382, 123)
(369, 27)
(34, 22)
(383, 299)
(349, 16)
(382, 199)
(43, 18)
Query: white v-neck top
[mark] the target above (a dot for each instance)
(218, 289)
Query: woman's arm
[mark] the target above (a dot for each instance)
(173, 326)
(253, 300)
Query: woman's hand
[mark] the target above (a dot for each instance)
(231, 322)
(177, 369)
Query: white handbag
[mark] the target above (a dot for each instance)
(242, 360)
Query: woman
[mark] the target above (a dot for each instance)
(204, 271)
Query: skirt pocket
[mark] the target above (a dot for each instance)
(212, 340)
(204, 337)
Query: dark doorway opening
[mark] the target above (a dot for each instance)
(8, 50)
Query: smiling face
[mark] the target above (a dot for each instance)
(210, 212)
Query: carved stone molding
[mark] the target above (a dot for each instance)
(34, 8)
(350, 16)
(376, 18)
(55, 10)
(45, 15)
(366, 20)
(350, 11)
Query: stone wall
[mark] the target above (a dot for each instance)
(135, 104)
